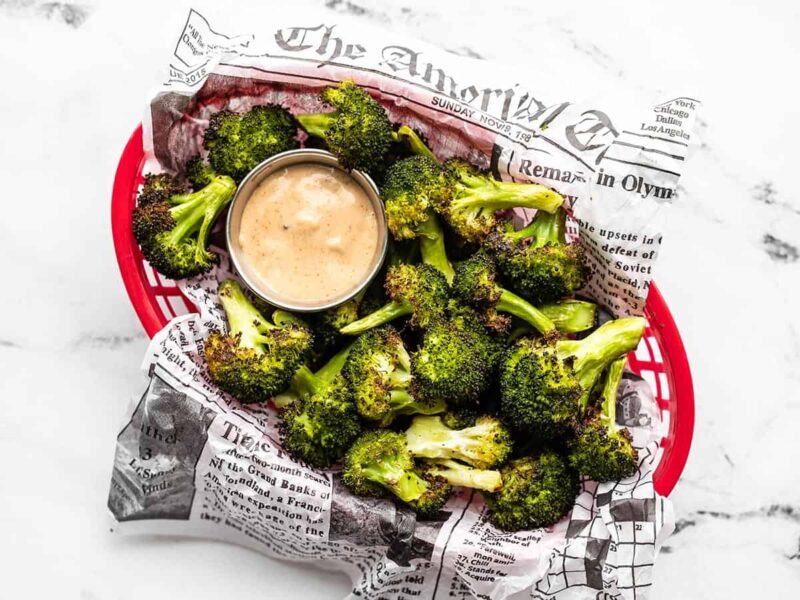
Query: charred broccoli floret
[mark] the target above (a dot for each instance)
(536, 492)
(379, 461)
(484, 445)
(476, 283)
(358, 131)
(458, 474)
(198, 172)
(474, 197)
(378, 371)
(321, 422)
(255, 359)
(172, 231)
(537, 261)
(411, 189)
(456, 357)
(420, 291)
(602, 450)
(238, 142)
(544, 383)
(158, 188)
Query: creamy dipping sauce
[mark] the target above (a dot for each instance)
(309, 233)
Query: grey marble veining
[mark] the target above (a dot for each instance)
(74, 82)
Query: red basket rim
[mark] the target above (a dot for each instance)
(129, 259)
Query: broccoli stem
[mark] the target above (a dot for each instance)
(388, 312)
(545, 228)
(243, 318)
(610, 386)
(457, 473)
(409, 138)
(594, 353)
(571, 316)
(307, 383)
(514, 305)
(431, 245)
(316, 124)
(200, 210)
(403, 403)
(500, 195)
(334, 366)
(406, 485)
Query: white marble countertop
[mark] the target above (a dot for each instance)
(75, 78)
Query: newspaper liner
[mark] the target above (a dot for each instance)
(191, 461)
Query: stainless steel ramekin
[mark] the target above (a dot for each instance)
(245, 191)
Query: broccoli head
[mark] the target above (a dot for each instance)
(458, 474)
(378, 370)
(238, 142)
(537, 492)
(411, 188)
(475, 196)
(358, 131)
(255, 359)
(172, 231)
(456, 357)
(418, 291)
(158, 189)
(379, 461)
(198, 172)
(537, 261)
(460, 417)
(545, 383)
(475, 283)
(601, 450)
(484, 445)
(321, 422)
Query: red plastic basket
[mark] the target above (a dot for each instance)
(660, 360)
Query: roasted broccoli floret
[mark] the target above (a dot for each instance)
(379, 461)
(411, 188)
(484, 445)
(456, 357)
(602, 450)
(321, 422)
(474, 197)
(255, 359)
(544, 383)
(198, 172)
(172, 231)
(476, 283)
(238, 142)
(158, 188)
(420, 291)
(537, 261)
(358, 131)
(536, 492)
(457, 473)
(378, 371)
